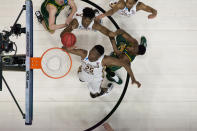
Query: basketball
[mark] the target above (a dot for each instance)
(68, 39)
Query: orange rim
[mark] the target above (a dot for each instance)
(38, 65)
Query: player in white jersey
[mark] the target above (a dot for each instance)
(87, 21)
(128, 8)
(91, 70)
(79, 17)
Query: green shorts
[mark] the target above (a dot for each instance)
(114, 68)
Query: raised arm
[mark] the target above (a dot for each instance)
(52, 25)
(142, 6)
(79, 52)
(103, 29)
(119, 5)
(110, 61)
(74, 10)
(73, 25)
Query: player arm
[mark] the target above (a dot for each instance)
(52, 25)
(73, 25)
(110, 61)
(79, 52)
(147, 8)
(103, 29)
(74, 8)
(119, 5)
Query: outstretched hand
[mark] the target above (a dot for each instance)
(136, 82)
(100, 16)
(107, 127)
(69, 48)
(151, 16)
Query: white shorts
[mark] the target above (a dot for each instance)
(94, 84)
(94, 87)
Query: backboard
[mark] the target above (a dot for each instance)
(29, 72)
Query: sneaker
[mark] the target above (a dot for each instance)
(143, 41)
(39, 16)
(81, 80)
(115, 79)
(106, 90)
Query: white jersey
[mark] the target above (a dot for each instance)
(78, 16)
(92, 70)
(126, 11)
(79, 19)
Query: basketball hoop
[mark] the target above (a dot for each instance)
(55, 63)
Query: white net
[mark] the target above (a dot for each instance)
(55, 63)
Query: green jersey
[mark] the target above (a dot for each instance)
(121, 44)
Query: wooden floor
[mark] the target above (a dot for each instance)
(167, 100)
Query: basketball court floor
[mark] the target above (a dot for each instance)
(167, 100)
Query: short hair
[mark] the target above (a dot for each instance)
(89, 12)
(100, 49)
(141, 50)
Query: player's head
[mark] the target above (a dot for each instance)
(89, 12)
(96, 52)
(140, 50)
(88, 15)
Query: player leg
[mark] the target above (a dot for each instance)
(81, 76)
(44, 22)
(110, 70)
(43, 17)
(112, 76)
(96, 90)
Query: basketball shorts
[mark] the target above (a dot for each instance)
(94, 83)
